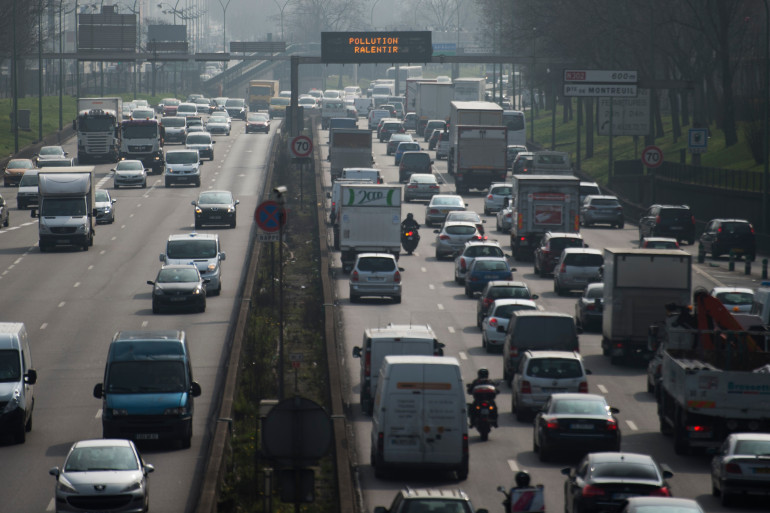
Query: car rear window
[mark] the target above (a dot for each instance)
(482, 251)
(505, 311)
(468, 217)
(736, 298)
(625, 469)
(174, 122)
(502, 191)
(737, 228)
(586, 407)
(416, 159)
(460, 229)
(675, 214)
(557, 244)
(584, 260)
(505, 291)
(376, 264)
(753, 447)
(595, 292)
(604, 202)
(490, 265)
(554, 368)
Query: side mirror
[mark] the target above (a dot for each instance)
(213, 142)
(200, 162)
(54, 471)
(356, 352)
(566, 471)
(400, 269)
(150, 282)
(588, 372)
(585, 245)
(112, 169)
(31, 377)
(614, 410)
(33, 212)
(194, 203)
(99, 390)
(66, 154)
(148, 468)
(535, 296)
(578, 330)
(237, 202)
(195, 389)
(222, 255)
(162, 257)
(434, 231)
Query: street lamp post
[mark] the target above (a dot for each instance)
(224, 24)
(532, 89)
(765, 133)
(61, 68)
(371, 14)
(281, 9)
(39, 70)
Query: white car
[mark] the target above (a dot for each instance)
(129, 173)
(494, 201)
(735, 299)
(104, 205)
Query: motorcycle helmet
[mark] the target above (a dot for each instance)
(409, 216)
(522, 479)
(483, 374)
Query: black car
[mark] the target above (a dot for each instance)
(602, 481)
(723, 236)
(590, 307)
(179, 287)
(389, 128)
(4, 212)
(257, 122)
(215, 207)
(575, 422)
(413, 162)
(550, 248)
(675, 221)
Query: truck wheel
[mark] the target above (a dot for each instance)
(665, 429)
(681, 445)
(615, 359)
(167, 183)
(187, 439)
(605, 346)
(462, 472)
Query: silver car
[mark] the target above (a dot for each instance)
(104, 206)
(576, 268)
(494, 201)
(375, 274)
(201, 142)
(421, 186)
(129, 173)
(495, 324)
(473, 249)
(440, 205)
(451, 238)
(601, 210)
(102, 475)
(542, 373)
(218, 123)
(741, 467)
(735, 299)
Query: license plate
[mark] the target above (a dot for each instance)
(676, 227)
(737, 250)
(484, 413)
(62, 241)
(582, 426)
(623, 495)
(762, 470)
(215, 217)
(443, 211)
(147, 436)
(376, 278)
(178, 299)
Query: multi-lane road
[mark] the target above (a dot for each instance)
(431, 296)
(72, 303)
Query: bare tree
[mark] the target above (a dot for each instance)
(308, 18)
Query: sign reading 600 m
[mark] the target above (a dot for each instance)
(385, 47)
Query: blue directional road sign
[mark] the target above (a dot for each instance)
(270, 216)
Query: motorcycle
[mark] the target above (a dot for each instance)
(409, 240)
(483, 410)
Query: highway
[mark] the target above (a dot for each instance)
(72, 303)
(431, 296)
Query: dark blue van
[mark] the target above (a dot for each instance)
(148, 387)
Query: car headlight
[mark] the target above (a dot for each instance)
(181, 410)
(133, 486)
(14, 402)
(157, 291)
(198, 291)
(230, 210)
(65, 486)
(212, 267)
(198, 210)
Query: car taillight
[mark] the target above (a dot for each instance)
(657, 219)
(397, 277)
(719, 230)
(444, 237)
(408, 234)
(583, 387)
(462, 264)
(433, 211)
(490, 197)
(411, 186)
(592, 491)
(368, 364)
(465, 443)
(612, 425)
(487, 301)
(478, 237)
(354, 276)
(733, 468)
(591, 307)
(752, 229)
(526, 387)
(493, 322)
(660, 492)
(513, 352)
(692, 219)
(562, 267)
(434, 187)
(551, 424)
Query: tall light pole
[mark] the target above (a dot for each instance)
(766, 133)
(77, 61)
(224, 24)
(281, 9)
(61, 68)
(532, 89)
(371, 15)
(15, 85)
(39, 70)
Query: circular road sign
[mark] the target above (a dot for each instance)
(270, 216)
(652, 156)
(301, 147)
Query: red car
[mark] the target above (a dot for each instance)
(257, 122)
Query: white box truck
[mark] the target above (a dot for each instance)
(349, 147)
(542, 203)
(470, 89)
(432, 102)
(419, 418)
(481, 157)
(638, 284)
(410, 92)
(369, 221)
(66, 210)
(470, 113)
(97, 126)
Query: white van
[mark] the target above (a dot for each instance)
(362, 173)
(761, 303)
(17, 378)
(390, 341)
(419, 418)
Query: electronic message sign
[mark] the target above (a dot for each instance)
(376, 47)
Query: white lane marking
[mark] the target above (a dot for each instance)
(450, 329)
(602, 388)
(102, 252)
(462, 355)
(708, 277)
(11, 266)
(122, 226)
(77, 284)
(632, 425)
(50, 506)
(440, 306)
(44, 326)
(138, 205)
(98, 413)
(431, 287)
(17, 261)
(131, 215)
(114, 237)
(513, 465)
(145, 323)
(423, 269)
(90, 267)
(5, 272)
(62, 304)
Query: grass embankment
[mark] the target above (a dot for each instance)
(625, 148)
(244, 489)
(50, 117)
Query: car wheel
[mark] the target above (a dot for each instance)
(727, 499)
(468, 293)
(155, 307)
(397, 299)
(557, 288)
(621, 225)
(117, 186)
(187, 439)
(8, 220)
(462, 472)
(144, 184)
(486, 211)
(479, 319)
(198, 182)
(28, 425)
(497, 225)
(438, 255)
(354, 298)
(20, 434)
(167, 183)
(544, 453)
(521, 413)
(232, 225)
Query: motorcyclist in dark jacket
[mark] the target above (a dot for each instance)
(482, 378)
(409, 223)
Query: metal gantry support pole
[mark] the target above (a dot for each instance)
(40, 70)
(15, 83)
(766, 131)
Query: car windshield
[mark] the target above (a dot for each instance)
(143, 114)
(579, 407)
(752, 447)
(232, 102)
(149, 131)
(257, 117)
(376, 264)
(177, 276)
(126, 165)
(416, 159)
(146, 377)
(200, 248)
(10, 366)
(280, 101)
(210, 198)
(186, 108)
(625, 469)
(409, 146)
(51, 150)
(73, 207)
(96, 123)
(174, 122)
(182, 157)
(306, 101)
(199, 139)
(20, 164)
(101, 196)
(736, 298)
(554, 368)
(509, 291)
(604, 202)
(101, 458)
(675, 214)
(422, 178)
(661, 244)
(171, 102)
(738, 228)
(446, 202)
(56, 163)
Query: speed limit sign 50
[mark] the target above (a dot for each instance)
(300, 147)
(652, 156)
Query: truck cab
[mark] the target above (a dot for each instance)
(142, 139)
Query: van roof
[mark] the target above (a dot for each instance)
(132, 335)
(7, 332)
(420, 360)
(538, 313)
(10, 327)
(401, 331)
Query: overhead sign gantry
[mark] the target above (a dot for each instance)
(376, 47)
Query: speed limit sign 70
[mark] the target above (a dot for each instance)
(652, 156)
(300, 147)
